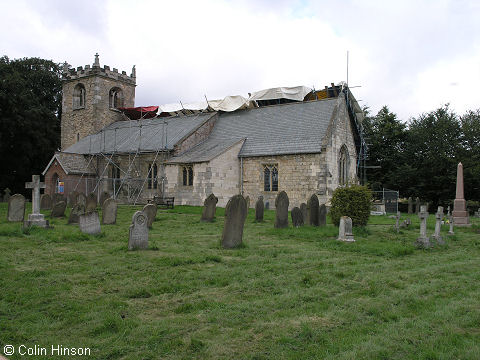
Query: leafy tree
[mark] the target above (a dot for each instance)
(470, 153)
(30, 109)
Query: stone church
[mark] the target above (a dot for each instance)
(279, 139)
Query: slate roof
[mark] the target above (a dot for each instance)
(124, 136)
(72, 164)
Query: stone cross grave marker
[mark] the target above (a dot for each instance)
(438, 227)
(75, 213)
(259, 209)
(209, 208)
(58, 209)
(36, 218)
(410, 205)
(417, 205)
(297, 217)
(312, 210)
(138, 232)
(91, 204)
(322, 215)
(345, 232)
(109, 212)
(423, 241)
(45, 202)
(281, 210)
(303, 209)
(151, 211)
(235, 215)
(90, 223)
(16, 208)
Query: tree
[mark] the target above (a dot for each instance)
(470, 153)
(30, 110)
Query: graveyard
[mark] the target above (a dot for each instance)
(283, 292)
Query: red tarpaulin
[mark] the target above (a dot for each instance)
(141, 112)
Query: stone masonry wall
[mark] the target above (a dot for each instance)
(197, 136)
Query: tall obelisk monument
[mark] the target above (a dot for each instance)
(460, 213)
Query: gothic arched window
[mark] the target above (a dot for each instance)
(343, 164)
(116, 98)
(79, 96)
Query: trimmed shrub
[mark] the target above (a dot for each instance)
(353, 201)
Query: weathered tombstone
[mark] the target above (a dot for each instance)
(104, 195)
(438, 227)
(259, 209)
(72, 198)
(450, 230)
(477, 213)
(6, 195)
(345, 232)
(89, 223)
(91, 204)
(75, 213)
(423, 241)
(35, 218)
(312, 210)
(410, 205)
(45, 202)
(16, 208)
(58, 209)
(297, 217)
(81, 199)
(448, 211)
(417, 205)
(322, 215)
(151, 211)
(303, 209)
(247, 199)
(460, 213)
(267, 205)
(397, 221)
(109, 212)
(405, 223)
(235, 215)
(281, 210)
(56, 198)
(209, 207)
(138, 232)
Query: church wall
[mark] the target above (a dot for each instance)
(86, 184)
(197, 136)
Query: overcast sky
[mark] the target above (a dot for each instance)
(412, 55)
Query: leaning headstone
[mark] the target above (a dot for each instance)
(35, 218)
(312, 210)
(423, 241)
(91, 204)
(45, 202)
(209, 207)
(460, 213)
(247, 199)
(397, 221)
(16, 208)
(56, 198)
(235, 215)
(151, 211)
(322, 215)
(6, 195)
(75, 213)
(89, 223)
(259, 209)
(450, 230)
(345, 232)
(297, 217)
(81, 199)
(303, 209)
(58, 209)
(138, 232)
(417, 205)
(437, 237)
(72, 199)
(281, 210)
(410, 205)
(109, 212)
(104, 195)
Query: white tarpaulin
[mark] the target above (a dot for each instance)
(293, 93)
(229, 103)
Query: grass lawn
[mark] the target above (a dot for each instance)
(286, 294)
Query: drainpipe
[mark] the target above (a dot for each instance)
(241, 176)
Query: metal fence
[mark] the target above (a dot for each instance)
(389, 199)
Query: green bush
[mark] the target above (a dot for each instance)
(353, 201)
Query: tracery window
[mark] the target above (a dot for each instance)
(152, 176)
(270, 177)
(187, 175)
(79, 96)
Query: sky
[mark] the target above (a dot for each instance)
(411, 55)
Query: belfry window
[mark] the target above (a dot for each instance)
(187, 175)
(116, 98)
(152, 176)
(343, 164)
(79, 97)
(270, 177)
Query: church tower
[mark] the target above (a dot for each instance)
(91, 97)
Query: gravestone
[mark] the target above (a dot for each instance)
(410, 205)
(6, 195)
(397, 221)
(437, 237)
(91, 204)
(460, 213)
(45, 202)
(281, 210)
(259, 209)
(297, 217)
(312, 210)
(477, 213)
(58, 209)
(450, 230)
(75, 213)
(247, 199)
(150, 211)
(267, 205)
(81, 199)
(72, 198)
(417, 205)
(138, 232)
(104, 195)
(56, 198)
(345, 232)
(303, 209)
(406, 223)
(209, 207)
(35, 218)
(89, 223)
(448, 212)
(322, 215)
(423, 241)
(235, 215)
(16, 208)
(109, 212)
